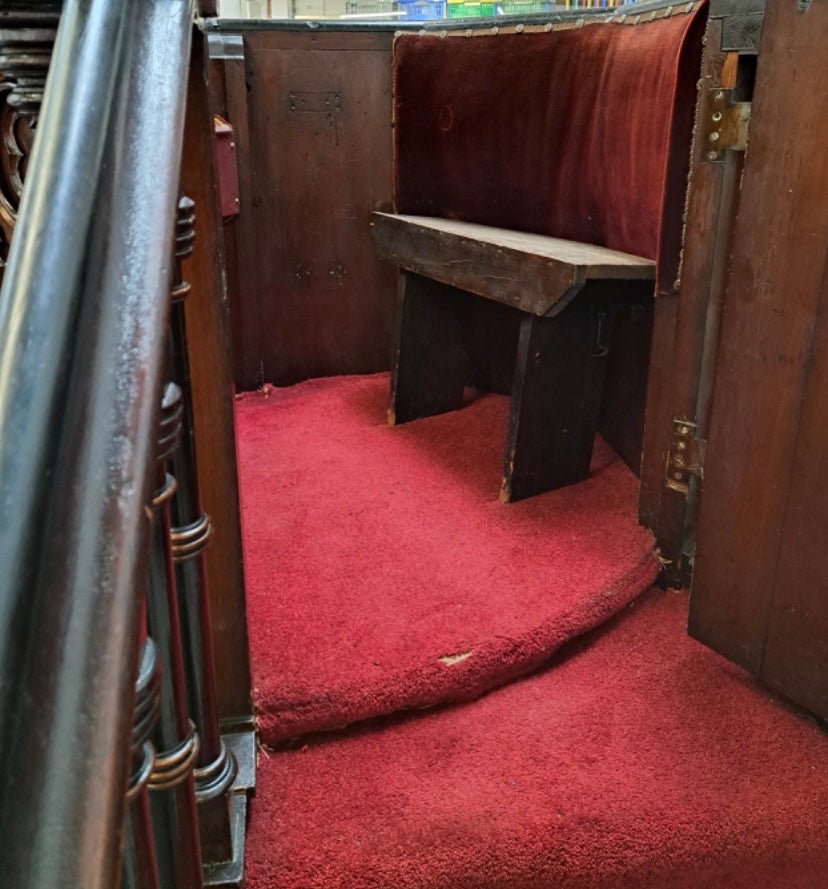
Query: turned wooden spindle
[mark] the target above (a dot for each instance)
(139, 867)
(216, 768)
(172, 799)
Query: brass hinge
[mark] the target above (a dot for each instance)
(724, 125)
(685, 458)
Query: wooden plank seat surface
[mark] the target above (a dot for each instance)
(564, 293)
(533, 273)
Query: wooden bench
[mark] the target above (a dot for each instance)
(577, 131)
(565, 292)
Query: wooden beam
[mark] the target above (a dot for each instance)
(208, 326)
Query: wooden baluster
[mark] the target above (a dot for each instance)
(216, 768)
(172, 784)
(140, 868)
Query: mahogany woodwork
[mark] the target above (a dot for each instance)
(295, 186)
(208, 326)
(625, 385)
(191, 532)
(758, 593)
(556, 398)
(289, 195)
(796, 645)
(430, 363)
(533, 273)
(171, 783)
(683, 322)
(244, 257)
(312, 115)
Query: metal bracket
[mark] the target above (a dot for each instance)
(225, 46)
(685, 458)
(230, 874)
(724, 125)
(315, 102)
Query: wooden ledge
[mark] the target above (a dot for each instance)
(534, 273)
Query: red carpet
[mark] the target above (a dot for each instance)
(383, 573)
(641, 759)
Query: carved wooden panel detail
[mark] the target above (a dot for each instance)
(16, 136)
(26, 40)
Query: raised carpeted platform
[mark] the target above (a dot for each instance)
(638, 759)
(383, 573)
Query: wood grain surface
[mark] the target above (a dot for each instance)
(533, 273)
(312, 297)
(760, 577)
(212, 382)
(682, 325)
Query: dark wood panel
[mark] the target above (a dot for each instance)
(684, 330)
(753, 473)
(492, 331)
(244, 284)
(662, 514)
(625, 386)
(796, 649)
(212, 381)
(556, 397)
(313, 298)
(430, 364)
(346, 40)
(530, 272)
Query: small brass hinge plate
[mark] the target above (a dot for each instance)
(685, 458)
(724, 125)
(315, 102)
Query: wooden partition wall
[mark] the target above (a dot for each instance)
(312, 118)
(760, 587)
(208, 321)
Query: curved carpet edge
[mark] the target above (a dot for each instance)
(495, 662)
(639, 760)
(384, 575)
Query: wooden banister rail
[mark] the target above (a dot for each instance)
(83, 316)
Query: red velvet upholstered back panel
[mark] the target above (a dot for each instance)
(581, 133)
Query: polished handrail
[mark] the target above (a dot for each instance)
(83, 316)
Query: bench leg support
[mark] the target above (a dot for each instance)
(556, 398)
(429, 364)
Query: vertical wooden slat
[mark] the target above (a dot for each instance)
(249, 254)
(754, 473)
(680, 329)
(796, 648)
(212, 382)
(556, 396)
(313, 299)
(430, 354)
(625, 386)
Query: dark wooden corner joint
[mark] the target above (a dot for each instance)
(564, 292)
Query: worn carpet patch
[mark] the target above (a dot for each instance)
(641, 760)
(382, 571)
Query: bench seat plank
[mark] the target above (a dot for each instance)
(533, 273)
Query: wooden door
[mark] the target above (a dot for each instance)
(760, 586)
